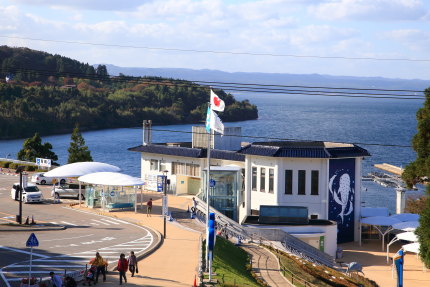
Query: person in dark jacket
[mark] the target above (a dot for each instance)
(122, 268)
(132, 263)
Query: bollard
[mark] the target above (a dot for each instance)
(27, 221)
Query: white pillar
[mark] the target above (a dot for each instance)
(400, 200)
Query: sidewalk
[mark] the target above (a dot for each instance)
(176, 261)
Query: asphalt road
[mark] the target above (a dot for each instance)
(64, 250)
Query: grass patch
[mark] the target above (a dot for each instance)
(231, 264)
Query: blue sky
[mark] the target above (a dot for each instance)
(382, 29)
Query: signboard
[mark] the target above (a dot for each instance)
(43, 162)
(212, 183)
(322, 239)
(165, 206)
(151, 182)
(112, 193)
(24, 181)
(160, 182)
(32, 241)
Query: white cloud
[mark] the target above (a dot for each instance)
(323, 34)
(377, 10)
(9, 18)
(414, 39)
(84, 4)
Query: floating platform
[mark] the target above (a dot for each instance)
(390, 168)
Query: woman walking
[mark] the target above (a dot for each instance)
(132, 263)
(122, 268)
(100, 264)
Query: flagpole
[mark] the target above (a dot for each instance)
(207, 194)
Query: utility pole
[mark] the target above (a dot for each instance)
(19, 170)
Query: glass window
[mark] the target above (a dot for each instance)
(154, 164)
(302, 182)
(262, 179)
(254, 178)
(271, 179)
(314, 182)
(288, 181)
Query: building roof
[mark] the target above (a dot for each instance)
(304, 149)
(269, 149)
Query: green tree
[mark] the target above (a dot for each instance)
(33, 148)
(418, 169)
(78, 151)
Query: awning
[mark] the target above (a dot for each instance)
(406, 216)
(374, 211)
(381, 223)
(406, 225)
(81, 168)
(111, 179)
(406, 236)
(412, 247)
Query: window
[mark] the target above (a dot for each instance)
(288, 181)
(254, 178)
(302, 182)
(262, 179)
(314, 182)
(185, 169)
(271, 179)
(154, 164)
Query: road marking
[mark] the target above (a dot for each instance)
(98, 221)
(76, 237)
(53, 222)
(22, 251)
(53, 266)
(93, 223)
(113, 222)
(68, 223)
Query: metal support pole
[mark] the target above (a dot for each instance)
(165, 200)
(20, 196)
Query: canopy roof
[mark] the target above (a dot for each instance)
(111, 178)
(374, 211)
(412, 247)
(81, 168)
(406, 225)
(380, 220)
(408, 236)
(406, 216)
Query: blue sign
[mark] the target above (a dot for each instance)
(212, 183)
(32, 241)
(211, 230)
(160, 183)
(112, 193)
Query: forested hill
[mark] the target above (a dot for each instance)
(49, 94)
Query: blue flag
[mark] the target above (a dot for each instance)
(399, 262)
(208, 120)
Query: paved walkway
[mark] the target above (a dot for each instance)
(176, 261)
(266, 265)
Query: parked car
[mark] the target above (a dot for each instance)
(29, 194)
(40, 178)
(69, 190)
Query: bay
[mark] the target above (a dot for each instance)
(371, 123)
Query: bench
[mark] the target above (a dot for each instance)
(120, 205)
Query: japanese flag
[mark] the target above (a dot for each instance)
(216, 103)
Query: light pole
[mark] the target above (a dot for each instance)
(19, 170)
(165, 199)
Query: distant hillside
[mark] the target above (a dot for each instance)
(49, 94)
(274, 78)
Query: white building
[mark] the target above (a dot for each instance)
(324, 177)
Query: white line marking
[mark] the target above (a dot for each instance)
(68, 223)
(53, 222)
(65, 260)
(98, 221)
(4, 278)
(93, 223)
(69, 238)
(53, 266)
(23, 251)
(113, 222)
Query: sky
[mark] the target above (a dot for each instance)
(384, 38)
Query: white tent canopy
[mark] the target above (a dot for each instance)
(111, 179)
(374, 211)
(81, 168)
(380, 223)
(406, 216)
(412, 247)
(406, 236)
(406, 225)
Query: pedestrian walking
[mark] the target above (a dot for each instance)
(149, 207)
(122, 268)
(100, 264)
(132, 264)
(55, 280)
(194, 210)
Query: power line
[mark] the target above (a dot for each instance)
(281, 139)
(246, 87)
(216, 52)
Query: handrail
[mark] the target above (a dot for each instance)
(284, 269)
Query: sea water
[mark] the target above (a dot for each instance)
(373, 124)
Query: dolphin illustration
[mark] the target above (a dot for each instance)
(344, 190)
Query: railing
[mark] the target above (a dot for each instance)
(294, 279)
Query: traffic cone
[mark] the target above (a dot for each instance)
(195, 281)
(32, 220)
(27, 221)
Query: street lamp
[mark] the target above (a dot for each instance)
(19, 170)
(165, 199)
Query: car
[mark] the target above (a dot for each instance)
(68, 190)
(40, 178)
(31, 193)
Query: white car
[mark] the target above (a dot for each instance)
(29, 194)
(40, 178)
